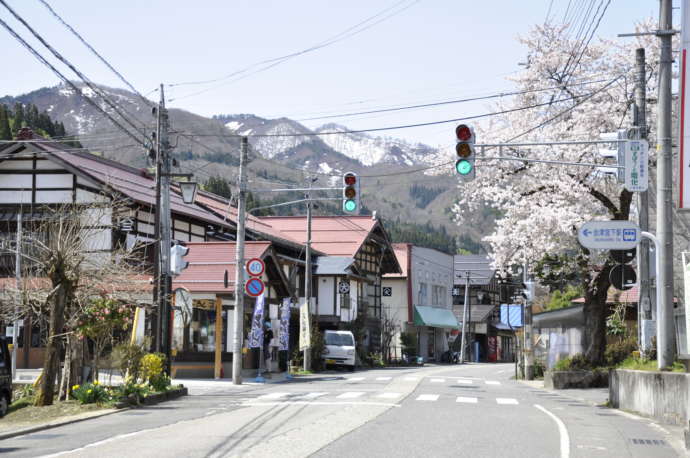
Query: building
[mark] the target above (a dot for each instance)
(418, 300)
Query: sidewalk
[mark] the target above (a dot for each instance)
(592, 396)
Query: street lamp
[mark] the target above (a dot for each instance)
(188, 190)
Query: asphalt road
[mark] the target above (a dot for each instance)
(470, 410)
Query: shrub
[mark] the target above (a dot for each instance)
(151, 366)
(127, 358)
(160, 382)
(90, 393)
(376, 360)
(617, 352)
(572, 363)
(131, 389)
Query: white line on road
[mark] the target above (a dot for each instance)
(273, 396)
(383, 378)
(562, 430)
(311, 395)
(507, 401)
(321, 403)
(464, 381)
(438, 380)
(492, 382)
(428, 397)
(389, 395)
(466, 400)
(410, 379)
(350, 395)
(355, 379)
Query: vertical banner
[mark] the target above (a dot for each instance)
(256, 335)
(285, 325)
(304, 329)
(684, 128)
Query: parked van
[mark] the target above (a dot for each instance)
(5, 377)
(340, 349)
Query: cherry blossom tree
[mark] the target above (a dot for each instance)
(578, 92)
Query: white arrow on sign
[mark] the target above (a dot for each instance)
(609, 235)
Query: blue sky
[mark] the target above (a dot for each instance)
(433, 50)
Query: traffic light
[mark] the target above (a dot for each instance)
(464, 148)
(177, 264)
(528, 291)
(351, 193)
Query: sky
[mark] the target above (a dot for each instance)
(412, 51)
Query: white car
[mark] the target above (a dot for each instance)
(340, 349)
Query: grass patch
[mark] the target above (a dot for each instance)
(639, 364)
(303, 372)
(22, 412)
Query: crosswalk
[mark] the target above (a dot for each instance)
(432, 380)
(372, 396)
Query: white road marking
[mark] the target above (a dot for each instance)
(492, 382)
(355, 379)
(383, 378)
(562, 431)
(466, 400)
(507, 401)
(428, 397)
(438, 380)
(311, 395)
(273, 396)
(351, 394)
(464, 381)
(410, 379)
(389, 395)
(321, 403)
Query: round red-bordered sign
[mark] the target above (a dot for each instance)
(255, 267)
(254, 287)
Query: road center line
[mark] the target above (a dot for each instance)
(562, 430)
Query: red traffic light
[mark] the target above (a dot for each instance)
(463, 132)
(350, 179)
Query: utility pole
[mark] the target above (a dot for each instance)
(238, 314)
(464, 317)
(307, 277)
(664, 202)
(163, 220)
(529, 353)
(18, 279)
(644, 309)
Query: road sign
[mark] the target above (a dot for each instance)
(623, 277)
(254, 287)
(255, 267)
(636, 165)
(609, 235)
(344, 287)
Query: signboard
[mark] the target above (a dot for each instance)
(284, 336)
(623, 277)
(636, 165)
(254, 287)
(609, 235)
(304, 330)
(256, 335)
(684, 128)
(387, 291)
(255, 267)
(344, 287)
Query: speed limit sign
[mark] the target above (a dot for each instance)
(255, 267)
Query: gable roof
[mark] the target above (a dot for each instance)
(402, 253)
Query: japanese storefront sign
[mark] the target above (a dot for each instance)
(285, 325)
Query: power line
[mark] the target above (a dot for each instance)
(270, 63)
(68, 82)
(96, 53)
(71, 66)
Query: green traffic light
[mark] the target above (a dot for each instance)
(349, 205)
(463, 167)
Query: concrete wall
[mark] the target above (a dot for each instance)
(395, 307)
(660, 395)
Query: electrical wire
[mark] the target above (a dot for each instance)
(270, 63)
(96, 53)
(68, 82)
(62, 59)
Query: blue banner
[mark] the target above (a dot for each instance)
(256, 335)
(285, 325)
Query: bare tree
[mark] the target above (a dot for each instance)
(389, 328)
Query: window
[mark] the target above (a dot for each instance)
(422, 294)
(341, 340)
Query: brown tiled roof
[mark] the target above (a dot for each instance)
(331, 235)
(208, 262)
(401, 251)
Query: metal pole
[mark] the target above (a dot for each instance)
(165, 234)
(664, 222)
(659, 292)
(18, 278)
(157, 234)
(307, 278)
(464, 318)
(238, 313)
(529, 355)
(644, 309)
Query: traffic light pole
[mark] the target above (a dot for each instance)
(238, 313)
(529, 353)
(644, 309)
(466, 302)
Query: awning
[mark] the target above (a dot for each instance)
(434, 317)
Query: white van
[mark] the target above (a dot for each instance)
(340, 349)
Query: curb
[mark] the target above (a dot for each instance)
(55, 424)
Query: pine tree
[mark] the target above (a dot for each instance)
(5, 131)
(18, 117)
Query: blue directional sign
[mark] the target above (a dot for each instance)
(609, 235)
